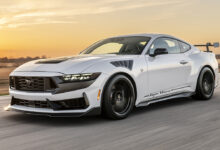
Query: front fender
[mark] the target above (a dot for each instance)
(136, 74)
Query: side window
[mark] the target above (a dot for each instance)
(184, 47)
(171, 45)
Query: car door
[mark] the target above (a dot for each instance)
(167, 73)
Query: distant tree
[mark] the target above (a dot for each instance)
(4, 59)
(43, 57)
(37, 57)
(20, 60)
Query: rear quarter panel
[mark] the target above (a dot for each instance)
(199, 60)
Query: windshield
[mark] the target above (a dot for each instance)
(120, 46)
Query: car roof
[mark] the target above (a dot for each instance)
(152, 35)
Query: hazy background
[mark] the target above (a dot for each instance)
(30, 29)
(65, 27)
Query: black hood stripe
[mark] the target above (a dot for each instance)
(57, 60)
(52, 61)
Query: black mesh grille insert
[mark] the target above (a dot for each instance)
(35, 104)
(78, 103)
(29, 83)
(12, 82)
(38, 84)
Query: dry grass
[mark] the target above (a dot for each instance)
(4, 89)
(4, 74)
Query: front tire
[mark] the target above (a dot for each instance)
(205, 85)
(118, 98)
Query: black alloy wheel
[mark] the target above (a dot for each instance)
(119, 98)
(205, 85)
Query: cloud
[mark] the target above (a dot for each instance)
(17, 13)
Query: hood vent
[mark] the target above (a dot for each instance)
(125, 63)
(52, 61)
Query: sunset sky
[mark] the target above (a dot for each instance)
(65, 27)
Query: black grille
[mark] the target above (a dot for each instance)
(12, 82)
(29, 84)
(32, 83)
(78, 103)
(35, 104)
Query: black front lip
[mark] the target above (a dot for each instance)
(93, 111)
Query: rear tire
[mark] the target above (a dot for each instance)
(205, 85)
(119, 98)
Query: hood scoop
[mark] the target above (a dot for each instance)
(53, 60)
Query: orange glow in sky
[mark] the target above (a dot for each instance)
(65, 27)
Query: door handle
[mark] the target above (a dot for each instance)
(183, 62)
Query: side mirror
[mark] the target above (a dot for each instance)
(159, 51)
(216, 44)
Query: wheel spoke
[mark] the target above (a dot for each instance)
(208, 83)
(120, 97)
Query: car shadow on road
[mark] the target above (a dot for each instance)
(92, 120)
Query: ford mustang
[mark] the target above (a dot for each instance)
(113, 76)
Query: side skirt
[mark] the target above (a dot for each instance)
(181, 95)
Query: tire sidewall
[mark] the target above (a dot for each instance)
(107, 101)
(200, 83)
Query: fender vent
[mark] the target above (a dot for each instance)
(125, 63)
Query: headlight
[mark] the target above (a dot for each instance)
(80, 77)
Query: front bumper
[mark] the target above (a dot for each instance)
(89, 94)
(51, 113)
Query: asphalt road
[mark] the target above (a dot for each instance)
(180, 124)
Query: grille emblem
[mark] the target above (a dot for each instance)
(28, 82)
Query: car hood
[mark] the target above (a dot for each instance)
(73, 64)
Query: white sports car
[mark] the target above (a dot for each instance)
(114, 75)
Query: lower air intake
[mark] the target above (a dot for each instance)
(70, 104)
